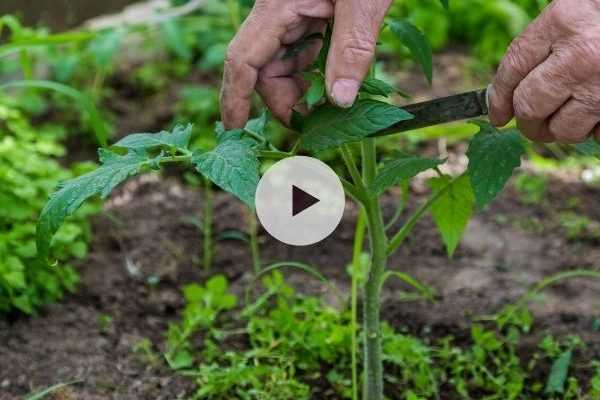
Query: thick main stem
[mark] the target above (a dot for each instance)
(373, 362)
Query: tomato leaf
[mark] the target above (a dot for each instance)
(377, 87)
(257, 126)
(316, 91)
(401, 168)
(329, 126)
(493, 156)
(558, 374)
(233, 166)
(418, 44)
(452, 210)
(71, 194)
(589, 148)
(178, 139)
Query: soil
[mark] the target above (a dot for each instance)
(145, 235)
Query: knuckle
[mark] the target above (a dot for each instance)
(566, 135)
(584, 55)
(589, 103)
(516, 57)
(358, 50)
(524, 107)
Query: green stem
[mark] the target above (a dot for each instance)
(254, 248)
(399, 238)
(369, 161)
(351, 165)
(373, 363)
(207, 225)
(579, 273)
(400, 208)
(359, 237)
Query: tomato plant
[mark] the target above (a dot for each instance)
(234, 166)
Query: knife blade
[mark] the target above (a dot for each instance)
(440, 111)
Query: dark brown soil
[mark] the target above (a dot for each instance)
(144, 234)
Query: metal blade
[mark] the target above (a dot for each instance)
(440, 111)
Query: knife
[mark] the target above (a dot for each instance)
(440, 111)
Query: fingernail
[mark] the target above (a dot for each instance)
(488, 101)
(344, 92)
(488, 94)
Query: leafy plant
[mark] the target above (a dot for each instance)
(203, 306)
(234, 165)
(26, 284)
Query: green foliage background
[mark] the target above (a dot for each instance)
(29, 172)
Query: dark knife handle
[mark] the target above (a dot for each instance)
(440, 111)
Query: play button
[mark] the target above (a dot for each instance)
(300, 201)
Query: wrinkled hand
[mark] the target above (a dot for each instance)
(550, 77)
(255, 56)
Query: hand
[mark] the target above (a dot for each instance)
(550, 77)
(254, 58)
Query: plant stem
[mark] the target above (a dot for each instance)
(254, 249)
(407, 228)
(359, 237)
(351, 165)
(207, 224)
(373, 366)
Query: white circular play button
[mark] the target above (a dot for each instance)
(300, 201)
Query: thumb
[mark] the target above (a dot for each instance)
(355, 31)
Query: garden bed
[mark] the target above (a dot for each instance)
(144, 236)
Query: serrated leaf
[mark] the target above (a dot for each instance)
(401, 168)
(233, 166)
(179, 138)
(329, 126)
(316, 91)
(71, 194)
(589, 148)
(418, 44)
(453, 209)
(254, 128)
(493, 156)
(377, 87)
(257, 126)
(558, 373)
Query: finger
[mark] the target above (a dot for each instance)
(526, 52)
(540, 95)
(355, 32)
(280, 94)
(574, 122)
(535, 131)
(281, 65)
(278, 84)
(258, 40)
(598, 134)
